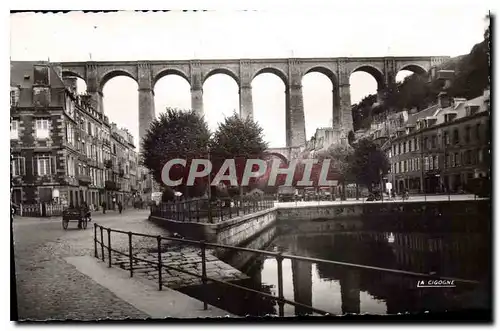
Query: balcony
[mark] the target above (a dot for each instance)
(111, 185)
(84, 179)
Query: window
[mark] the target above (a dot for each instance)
(446, 138)
(399, 148)
(43, 165)
(480, 155)
(409, 146)
(71, 166)
(436, 162)
(478, 131)
(467, 158)
(17, 166)
(456, 137)
(426, 163)
(70, 134)
(397, 167)
(467, 134)
(41, 75)
(433, 141)
(13, 98)
(42, 129)
(14, 129)
(456, 160)
(431, 163)
(426, 143)
(404, 147)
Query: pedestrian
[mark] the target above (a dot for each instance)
(104, 207)
(120, 207)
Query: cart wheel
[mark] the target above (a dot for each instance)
(84, 223)
(65, 224)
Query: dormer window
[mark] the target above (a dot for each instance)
(449, 117)
(41, 75)
(471, 110)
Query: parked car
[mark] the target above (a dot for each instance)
(310, 194)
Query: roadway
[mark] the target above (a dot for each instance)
(353, 201)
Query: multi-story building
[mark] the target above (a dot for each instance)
(60, 144)
(440, 148)
(122, 171)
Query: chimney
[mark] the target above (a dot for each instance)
(70, 83)
(443, 100)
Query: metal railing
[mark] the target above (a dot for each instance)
(203, 247)
(210, 211)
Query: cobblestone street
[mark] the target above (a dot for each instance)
(48, 287)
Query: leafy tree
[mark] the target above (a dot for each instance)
(340, 162)
(175, 134)
(239, 139)
(368, 163)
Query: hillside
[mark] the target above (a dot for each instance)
(419, 91)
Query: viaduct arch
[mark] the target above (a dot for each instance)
(243, 71)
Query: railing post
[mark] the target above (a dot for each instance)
(102, 244)
(279, 260)
(109, 247)
(130, 253)
(198, 211)
(230, 210)
(221, 212)
(238, 207)
(203, 270)
(95, 240)
(159, 263)
(183, 211)
(209, 211)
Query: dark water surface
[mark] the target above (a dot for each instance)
(340, 290)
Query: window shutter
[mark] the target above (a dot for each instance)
(34, 163)
(53, 166)
(22, 166)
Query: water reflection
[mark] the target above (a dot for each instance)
(343, 290)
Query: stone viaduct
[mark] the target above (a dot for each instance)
(243, 71)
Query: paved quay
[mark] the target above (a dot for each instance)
(187, 260)
(353, 201)
(48, 287)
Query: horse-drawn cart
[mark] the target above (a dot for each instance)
(75, 214)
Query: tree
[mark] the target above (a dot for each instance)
(368, 163)
(239, 139)
(175, 134)
(340, 162)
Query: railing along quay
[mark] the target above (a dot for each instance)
(203, 247)
(210, 211)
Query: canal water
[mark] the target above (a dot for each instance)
(342, 290)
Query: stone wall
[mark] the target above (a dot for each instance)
(233, 232)
(399, 216)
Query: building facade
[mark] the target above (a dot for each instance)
(60, 144)
(442, 147)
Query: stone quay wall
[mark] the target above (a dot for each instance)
(468, 215)
(446, 216)
(233, 232)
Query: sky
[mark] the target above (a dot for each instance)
(376, 31)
